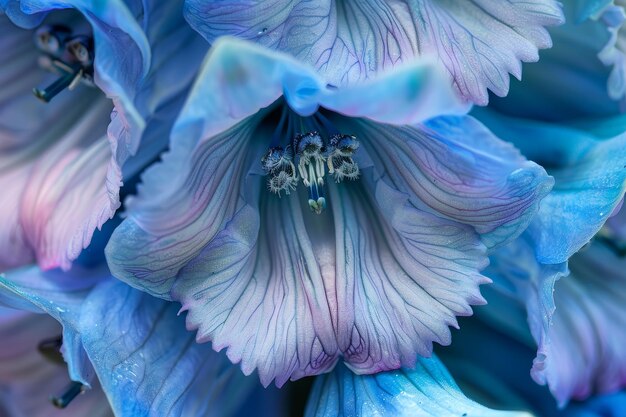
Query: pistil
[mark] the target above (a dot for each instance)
(69, 394)
(64, 81)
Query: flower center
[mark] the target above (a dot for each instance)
(64, 53)
(311, 152)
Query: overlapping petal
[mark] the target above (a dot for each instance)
(491, 367)
(147, 363)
(426, 390)
(590, 181)
(60, 295)
(478, 42)
(288, 292)
(585, 354)
(575, 319)
(66, 165)
(460, 169)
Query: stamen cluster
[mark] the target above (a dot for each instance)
(311, 155)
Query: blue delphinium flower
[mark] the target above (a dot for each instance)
(31, 366)
(478, 42)
(146, 362)
(299, 223)
(62, 163)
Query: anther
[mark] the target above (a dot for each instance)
(69, 394)
(309, 146)
(278, 166)
(51, 39)
(340, 163)
(80, 49)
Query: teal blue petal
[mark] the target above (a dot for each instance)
(148, 364)
(590, 180)
(428, 390)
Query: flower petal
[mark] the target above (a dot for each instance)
(402, 275)
(426, 390)
(479, 42)
(148, 364)
(461, 170)
(264, 300)
(574, 318)
(149, 248)
(407, 95)
(516, 271)
(590, 181)
(584, 354)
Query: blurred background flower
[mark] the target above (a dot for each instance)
(63, 159)
(32, 370)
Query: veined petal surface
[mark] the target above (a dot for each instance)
(479, 42)
(427, 390)
(145, 360)
(148, 364)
